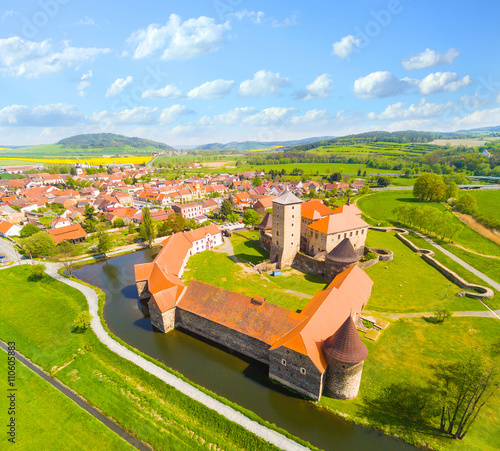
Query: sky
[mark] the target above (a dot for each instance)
(194, 72)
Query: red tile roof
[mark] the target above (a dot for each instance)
(71, 232)
(338, 223)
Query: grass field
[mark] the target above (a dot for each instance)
(246, 247)
(72, 161)
(468, 142)
(141, 403)
(409, 284)
(405, 353)
(57, 150)
(47, 419)
(379, 207)
(322, 168)
(488, 202)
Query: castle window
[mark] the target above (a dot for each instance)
(277, 242)
(303, 371)
(350, 234)
(293, 207)
(292, 225)
(277, 233)
(283, 362)
(339, 236)
(356, 232)
(362, 232)
(345, 235)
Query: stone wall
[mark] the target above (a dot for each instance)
(332, 269)
(342, 380)
(295, 371)
(265, 241)
(308, 264)
(162, 321)
(225, 336)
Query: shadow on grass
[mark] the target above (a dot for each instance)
(257, 256)
(432, 320)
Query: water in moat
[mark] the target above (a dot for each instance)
(233, 376)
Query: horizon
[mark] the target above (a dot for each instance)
(197, 73)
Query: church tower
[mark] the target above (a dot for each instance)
(286, 229)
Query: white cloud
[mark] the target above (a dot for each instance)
(310, 117)
(9, 13)
(171, 114)
(168, 92)
(84, 83)
(259, 18)
(269, 116)
(380, 84)
(232, 117)
(415, 124)
(263, 83)
(423, 109)
(19, 57)
(179, 40)
(86, 21)
(345, 46)
(430, 58)
(442, 82)
(318, 89)
(118, 86)
(211, 90)
(137, 115)
(55, 114)
(498, 98)
(480, 118)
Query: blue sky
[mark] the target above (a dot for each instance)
(194, 72)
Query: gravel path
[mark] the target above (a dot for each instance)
(269, 435)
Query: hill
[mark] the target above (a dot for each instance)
(109, 141)
(251, 145)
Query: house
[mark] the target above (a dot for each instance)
(189, 210)
(74, 234)
(9, 229)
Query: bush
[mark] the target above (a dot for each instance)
(36, 272)
(82, 321)
(370, 256)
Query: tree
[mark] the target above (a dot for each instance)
(451, 191)
(429, 187)
(104, 243)
(147, 228)
(90, 222)
(83, 321)
(251, 217)
(233, 217)
(175, 223)
(28, 230)
(466, 203)
(466, 386)
(36, 272)
(256, 181)
(39, 244)
(226, 208)
(442, 315)
(383, 181)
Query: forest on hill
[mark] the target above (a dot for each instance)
(109, 141)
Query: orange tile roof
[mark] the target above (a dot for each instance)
(198, 234)
(315, 205)
(338, 223)
(265, 322)
(5, 226)
(71, 232)
(326, 312)
(348, 208)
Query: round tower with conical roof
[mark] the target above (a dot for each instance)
(345, 353)
(340, 258)
(286, 221)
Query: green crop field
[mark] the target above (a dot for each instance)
(322, 168)
(375, 148)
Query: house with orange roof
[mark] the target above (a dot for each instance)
(74, 234)
(311, 211)
(8, 229)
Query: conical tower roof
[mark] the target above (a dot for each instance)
(343, 253)
(345, 344)
(267, 222)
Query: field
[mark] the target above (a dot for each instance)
(488, 202)
(153, 411)
(57, 150)
(405, 353)
(468, 142)
(47, 419)
(379, 209)
(72, 161)
(321, 168)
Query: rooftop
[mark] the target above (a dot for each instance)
(286, 198)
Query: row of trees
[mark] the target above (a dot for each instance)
(428, 219)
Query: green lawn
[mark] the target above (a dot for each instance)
(218, 269)
(405, 352)
(246, 247)
(409, 284)
(379, 208)
(47, 419)
(39, 317)
(488, 201)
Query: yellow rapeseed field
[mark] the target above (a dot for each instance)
(92, 161)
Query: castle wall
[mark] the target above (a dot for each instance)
(332, 269)
(265, 240)
(318, 241)
(225, 336)
(308, 264)
(342, 380)
(295, 371)
(144, 297)
(162, 321)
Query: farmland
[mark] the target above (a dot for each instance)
(488, 202)
(72, 161)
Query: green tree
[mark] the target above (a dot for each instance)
(256, 181)
(233, 217)
(83, 321)
(451, 191)
(176, 223)
(467, 204)
(383, 181)
(251, 217)
(28, 230)
(90, 222)
(39, 244)
(147, 228)
(104, 242)
(226, 208)
(429, 187)
(36, 272)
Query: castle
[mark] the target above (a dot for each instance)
(314, 352)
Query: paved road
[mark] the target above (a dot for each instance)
(269, 435)
(61, 388)
(480, 314)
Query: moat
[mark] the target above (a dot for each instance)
(235, 377)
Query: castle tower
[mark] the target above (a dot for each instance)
(340, 258)
(286, 229)
(345, 354)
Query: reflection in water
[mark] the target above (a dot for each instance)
(226, 373)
